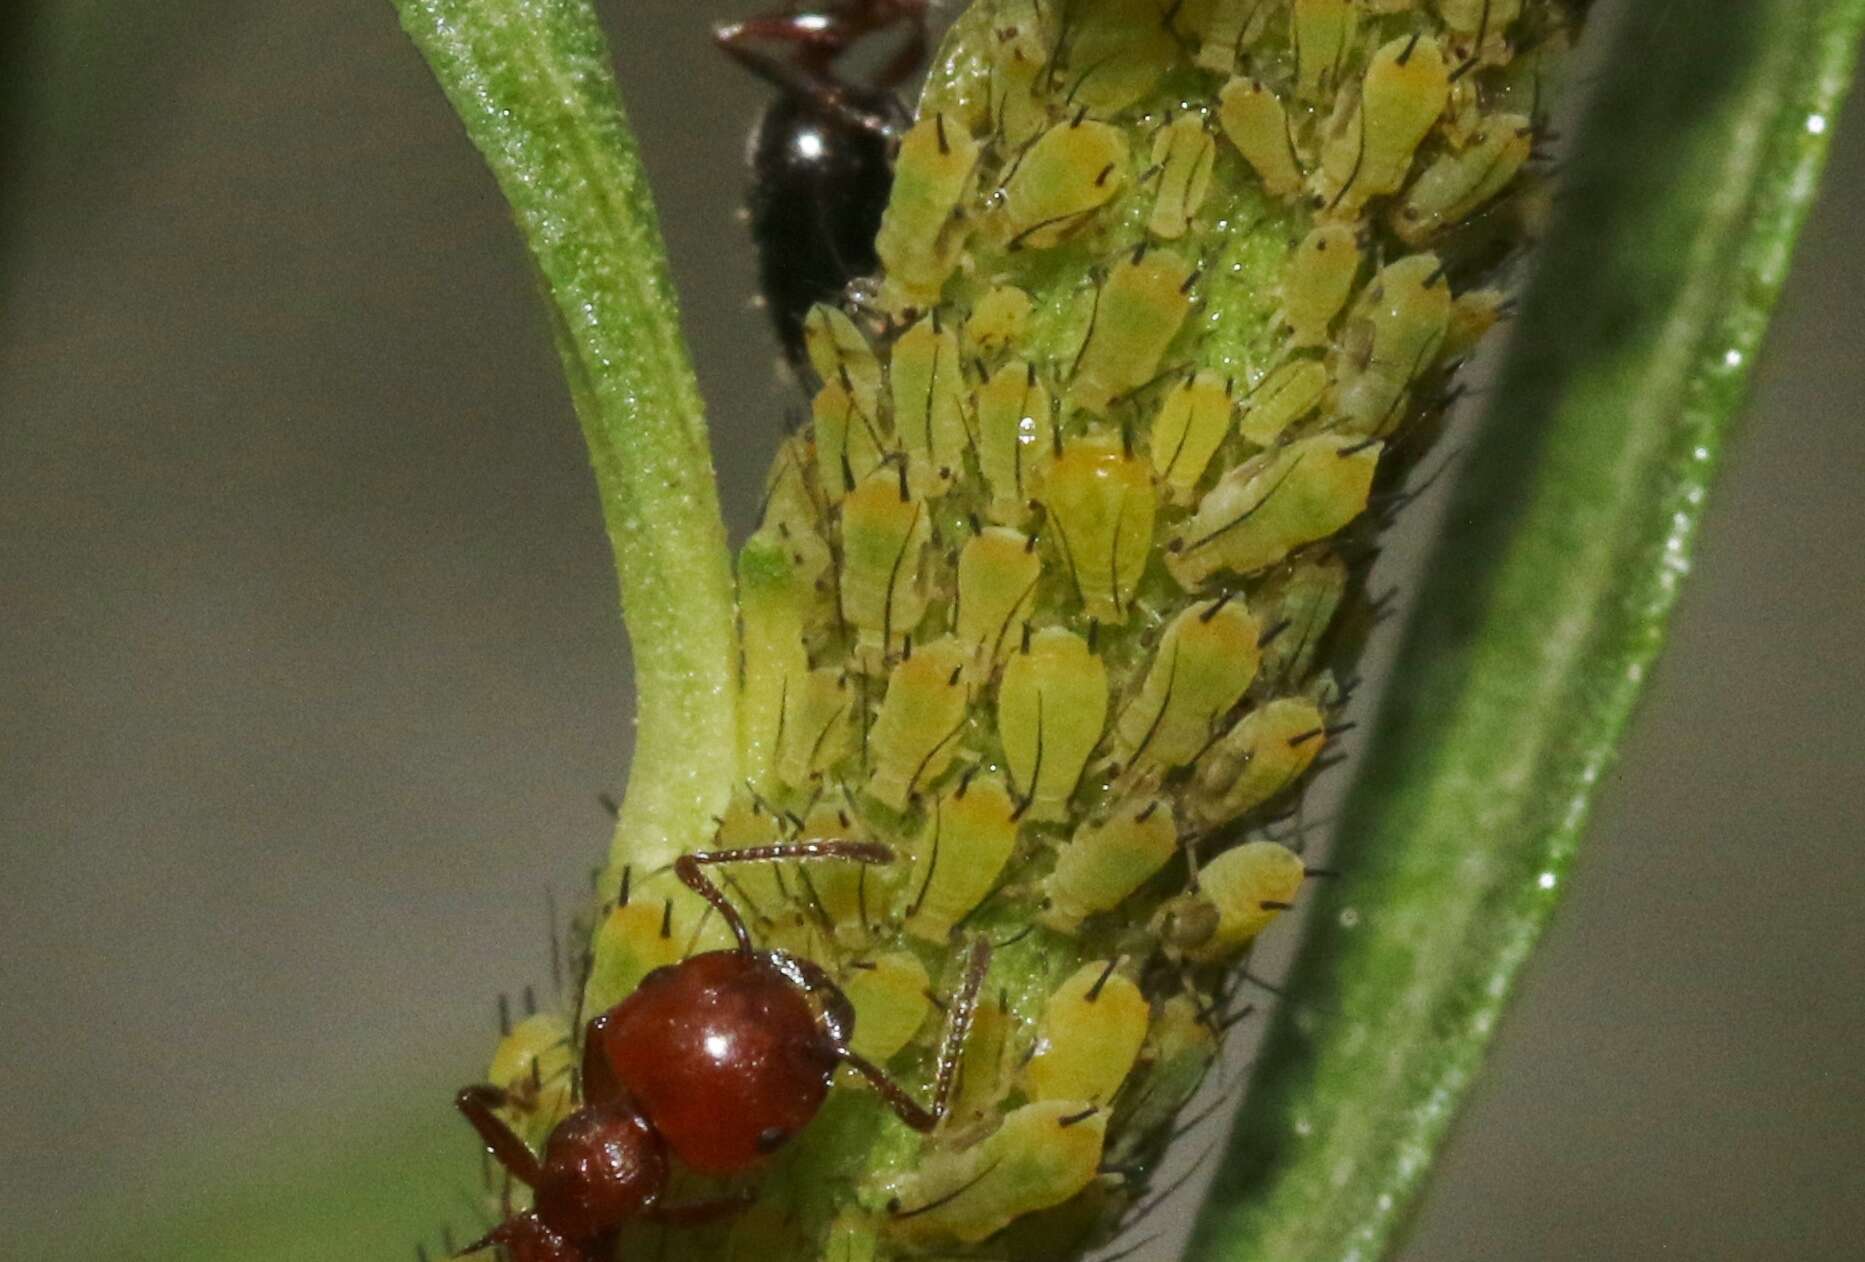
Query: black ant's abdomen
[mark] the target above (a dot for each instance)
(819, 184)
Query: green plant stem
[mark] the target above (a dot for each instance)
(1540, 615)
(532, 81)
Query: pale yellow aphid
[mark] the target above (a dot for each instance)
(916, 731)
(1133, 318)
(1016, 437)
(818, 726)
(536, 1065)
(1473, 314)
(851, 1239)
(921, 235)
(789, 493)
(839, 351)
(1180, 1047)
(1405, 90)
(1265, 753)
(849, 441)
(1088, 1036)
(1100, 503)
(635, 938)
(998, 569)
(984, 1070)
(1071, 171)
(1204, 661)
(1297, 603)
(1321, 33)
(1394, 334)
(884, 533)
(843, 896)
(1051, 707)
(1231, 27)
(891, 997)
(1254, 119)
(778, 596)
(1043, 1154)
(1282, 398)
(1249, 886)
(1192, 420)
(961, 850)
(1457, 183)
(998, 320)
(1019, 71)
(1117, 51)
(1183, 154)
(1320, 276)
(1483, 24)
(1106, 860)
(929, 404)
(1270, 505)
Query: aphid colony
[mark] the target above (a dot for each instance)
(1052, 595)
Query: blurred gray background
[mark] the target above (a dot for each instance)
(310, 671)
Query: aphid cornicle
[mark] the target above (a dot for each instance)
(819, 155)
(714, 1062)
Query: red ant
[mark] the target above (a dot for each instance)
(717, 1061)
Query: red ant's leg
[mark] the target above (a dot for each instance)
(599, 1084)
(688, 868)
(951, 1050)
(477, 1104)
(699, 1213)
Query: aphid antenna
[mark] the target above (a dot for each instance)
(1142, 1208)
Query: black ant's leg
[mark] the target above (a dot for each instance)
(477, 1103)
(951, 1049)
(688, 867)
(806, 74)
(698, 1213)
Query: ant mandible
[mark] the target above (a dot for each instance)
(717, 1061)
(821, 155)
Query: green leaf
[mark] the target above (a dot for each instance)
(1540, 614)
(531, 80)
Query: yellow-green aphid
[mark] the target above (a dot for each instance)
(1457, 183)
(1253, 118)
(536, 1065)
(1482, 25)
(1020, 55)
(839, 895)
(884, 532)
(916, 732)
(1183, 154)
(998, 320)
(1320, 276)
(1265, 753)
(1088, 1036)
(818, 726)
(984, 1069)
(1204, 661)
(1231, 27)
(1100, 501)
(1117, 51)
(768, 897)
(1297, 603)
(777, 598)
(1193, 418)
(838, 351)
(1016, 437)
(1282, 398)
(1043, 1154)
(1270, 505)
(1180, 1047)
(1321, 33)
(635, 938)
(789, 494)
(1071, 171)
(929, 404)
(1051, 707)
(997, 573)
(921, 236)
(891, 997)
(1135, 315)
(963, 847)
(1473, 314)
(1250, 886)
(1393, 335)
(849, 440)
(1405, 90)
(1106, 860)
(851, 1239)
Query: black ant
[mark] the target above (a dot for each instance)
(716, 1061)
(822, 154)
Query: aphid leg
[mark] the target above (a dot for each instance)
(951, 1050)
(690, 869)
(814, 45)
(477, 1103)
